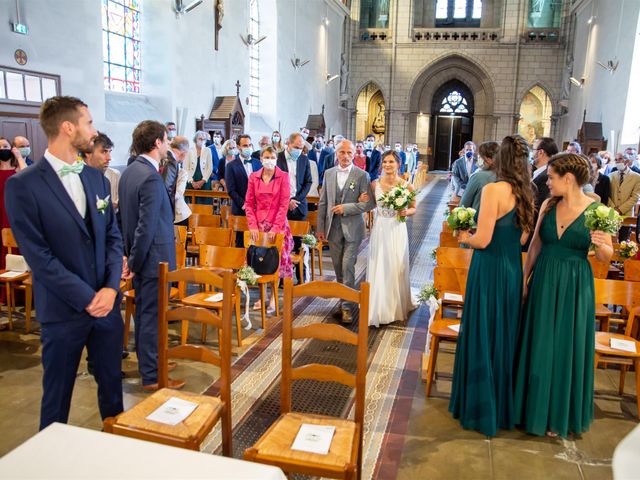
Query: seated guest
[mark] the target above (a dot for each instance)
(484, 175)
(229, 153)
(23, 145)
(199, 165)
(99, 158)
(236, 176)
(601, 183)
(266, 206)
(360, 159)
(178, 150)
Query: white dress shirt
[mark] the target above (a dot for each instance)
(469, 162)
(113, 176)
(153, 162)
(292, 166)
(71, 183)
(539, 171)
(248, 166)
(342, 175)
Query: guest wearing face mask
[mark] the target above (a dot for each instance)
(229, 153)
(23, 145)
(262, 144)
(403, 157)
(374, 157)
(276, 141)
(360, 159)
(199, 165)
(601, 183)
(172, 130)
(11, 161)
(463, 167)
(266, 206)
(625, 191)
(216, 158)
(297, 166)
(485, 175)
(318, 153)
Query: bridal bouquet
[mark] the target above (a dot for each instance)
(599, 217)
(398, 198)
(628, 249)
(461, 218)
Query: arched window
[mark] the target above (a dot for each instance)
(454, 102)
(121, 46)
(254, 57)
(458, 13)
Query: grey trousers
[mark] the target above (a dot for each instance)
(343, 256)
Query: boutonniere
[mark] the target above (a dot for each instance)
(102, 203)
(352, 186)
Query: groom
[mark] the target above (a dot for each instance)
(340, 216)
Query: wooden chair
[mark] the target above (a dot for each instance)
(299, 229)
(263, 280)
(312, 218)
(228, 258)
(16, 283)
(632, 270)
(452, 280)
(225, 212)
(600, 269)
(191, 432)
(448, 240)
(450, 257)
(344, 459)
(203, 220)
(201, 209)
(180, 232)
(238, 223)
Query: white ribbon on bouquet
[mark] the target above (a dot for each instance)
(305, 261)
(244, 288)
(434, 304)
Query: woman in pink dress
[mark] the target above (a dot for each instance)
(360, 159)
(266, 205)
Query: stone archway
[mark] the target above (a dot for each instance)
(370, 112)
(452, 67)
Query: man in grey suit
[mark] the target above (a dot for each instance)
(463, 167)
(345, 196)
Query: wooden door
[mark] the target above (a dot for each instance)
(29, 127)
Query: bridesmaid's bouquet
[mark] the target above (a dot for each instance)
(628, 249)
(599, 217)
(398, 198)
(461, 218)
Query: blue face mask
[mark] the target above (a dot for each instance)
(246, 152)
(295, 153)
(469, 154)
(232, 151)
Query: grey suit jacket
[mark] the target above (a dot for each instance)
(460, 174)
(352, 221)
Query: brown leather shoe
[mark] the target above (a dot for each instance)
(346, 316)
(174, 384)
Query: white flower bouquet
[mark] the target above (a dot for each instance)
(599, 217)
(398, 198)
(628, 249)
(427, 291)
(309, 240)
(461, 218)
(247, 275)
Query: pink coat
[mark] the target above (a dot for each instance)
(268, 202)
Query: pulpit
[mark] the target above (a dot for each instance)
(316, 124)
(590, 137)
(227, 117)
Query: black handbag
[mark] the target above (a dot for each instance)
(263, 260)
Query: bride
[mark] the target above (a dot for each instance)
(388, 265)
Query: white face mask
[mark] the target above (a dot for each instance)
(480, 162)
(621, 167)
(269, 164)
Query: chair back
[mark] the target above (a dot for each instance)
(299, 227)
(325, 332)
(632, 270)
(450, 280)
(617, 292)
(180, 232)
(238, 223)
(450, 257)
(167, 313)
(600, 269)
(203, 220)
(225, 211)
(201, 209)
(448, 240)
(220, 237)
(8, 240)
(231, 258)
(181, 254)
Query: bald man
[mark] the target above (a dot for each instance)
(22, 144)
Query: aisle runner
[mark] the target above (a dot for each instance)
(256, 386)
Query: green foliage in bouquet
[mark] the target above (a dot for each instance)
(427, 291)
(309, 240)
(462, 218)
(628, 249)
(248, 275)
(398, 198)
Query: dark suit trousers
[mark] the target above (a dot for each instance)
(62, 345)
(297, 215)
(146, 327)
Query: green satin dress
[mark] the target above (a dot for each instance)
(482, 392)
(554, 374)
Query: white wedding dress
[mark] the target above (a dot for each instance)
(388, 268)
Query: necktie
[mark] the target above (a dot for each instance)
(621, 178)
(67, 169)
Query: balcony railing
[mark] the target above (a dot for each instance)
(542, 35)
(374, 34)
(456, 34)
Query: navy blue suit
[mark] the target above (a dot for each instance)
(303, 184)
(71, 259)
(374, 162)
(403, 161)
(147, 227)
(237, 182)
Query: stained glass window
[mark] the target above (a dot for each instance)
(454, 102)
(121, 46)
(254, 57)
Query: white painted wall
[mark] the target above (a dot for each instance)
(181, 69)
(612, 34)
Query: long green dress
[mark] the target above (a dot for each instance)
(554, 368)
(482, 392)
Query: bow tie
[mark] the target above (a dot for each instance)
(343, 170)
(247, 161)
(67, 169)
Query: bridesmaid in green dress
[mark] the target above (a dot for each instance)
(482, 392)
(554, 373)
